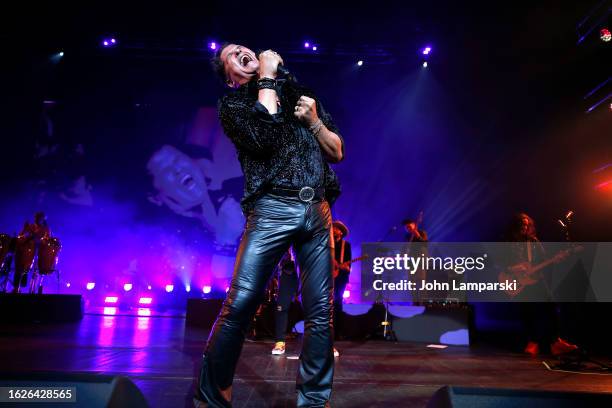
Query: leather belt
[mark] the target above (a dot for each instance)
(305, 194)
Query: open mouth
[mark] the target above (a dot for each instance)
(244, 60)
(188, 181)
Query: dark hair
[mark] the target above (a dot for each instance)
(217, 63)
(408, 221)
(516, 226)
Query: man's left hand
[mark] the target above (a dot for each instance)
(306, 111)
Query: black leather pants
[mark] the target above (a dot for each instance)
(274, 225)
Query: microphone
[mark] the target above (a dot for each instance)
(281, 70)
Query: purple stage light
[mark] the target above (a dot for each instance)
(111, 299)
(149, 287)
(143, 311)
(359, 63)
(212, 45)
(145, 300)
(113, 41)
(226, 289)
(188, 288)
(106, 43)
(127, 287)
(426, 50)
(90, 285)
(110, 311)
(67, 284)
(346, 294)
(314, 47)
(425, 64)
(169, 288)
(306, 44)
(206, 289)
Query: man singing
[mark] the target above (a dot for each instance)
(284, 139)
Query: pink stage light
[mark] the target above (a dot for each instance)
(145, 300)
(90, 285)
(169, 288)
(111, 299)
(206, 289)
(346, 294)
(144, 311)
(110, 310)
(127, 287)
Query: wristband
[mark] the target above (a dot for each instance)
(266, 83)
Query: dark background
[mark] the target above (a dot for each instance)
(496, 124)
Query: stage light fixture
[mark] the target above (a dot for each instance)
(226, 289)
(346, 294)
(212, 45)
(60, 54)
(188, 288)
(306, 44)
(144, 311)
(109, 42)
(314, 47)
(67, 284)
(426, 50)
(127, 287)
(90, 285)
(169, 288)
(110, 311)
(206, 289)
(605, 34)
(145, 300)
(111, 299)
(425, 64)
(359, 63)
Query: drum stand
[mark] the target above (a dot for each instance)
(5, 272)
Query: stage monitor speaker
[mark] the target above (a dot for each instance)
(464, 397)
(27, 308)
(87, 390)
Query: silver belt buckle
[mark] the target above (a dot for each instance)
(306, 194)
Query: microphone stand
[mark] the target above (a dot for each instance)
(388, 333)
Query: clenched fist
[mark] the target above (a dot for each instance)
(268, 63)
(306, 111)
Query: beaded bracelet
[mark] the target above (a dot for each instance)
(266, 83)
(316, 128)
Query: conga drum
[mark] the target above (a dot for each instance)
(47, 255)
(24, 254)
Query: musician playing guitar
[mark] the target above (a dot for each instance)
(541, 320)
(342, 269)
(418, 236)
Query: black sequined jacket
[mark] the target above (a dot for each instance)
(263, 141)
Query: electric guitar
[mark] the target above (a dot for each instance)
(338, 266)
(527, 274)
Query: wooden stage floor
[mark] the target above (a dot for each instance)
(161, 356)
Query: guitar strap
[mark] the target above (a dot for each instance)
(342, 251)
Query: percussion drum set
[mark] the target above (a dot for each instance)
(30, 257)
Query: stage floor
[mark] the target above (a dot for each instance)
(161, 355)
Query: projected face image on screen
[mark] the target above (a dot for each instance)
(182, 184)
